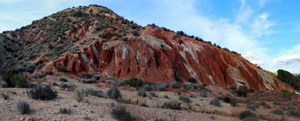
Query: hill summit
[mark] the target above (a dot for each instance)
(94, 39)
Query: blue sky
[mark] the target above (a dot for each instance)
(266, 32)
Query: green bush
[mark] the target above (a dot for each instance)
(134, 82)
(42, 92)
(19, 80)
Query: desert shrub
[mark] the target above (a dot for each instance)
(215, 101)
(49, 72)
(112, 104)
(121, 114)
(4, 96)
(62, 69)
(261, 116)
(42, 92)
(158, 87)
(293, 112)
(80, 94)
(256, 105)
(64, 85)
(86, 75)
(248, 99)
(250, 118)
(142, 93)
(37, 75)
(192, 80)
(294, 103)
(19, 80)
(184, 98)
(242, 91)
(174, 84)
(192, 95)
(3, 83)
(226, 99)
(63, 80)
(97, 93)
(284, 95)
(282, 108)
(134, 82)
(166, 96)
(23, 106)
(180, 41)
(277, 112)
(269, 99)
(187, 86)
(249, 106)
(114, 93)
(91, 80)
(65, 110)
(233, 103)
(153, 94)
(245, 114)
(175, 105)
(203, 93)
(277, 103)
(262, 103)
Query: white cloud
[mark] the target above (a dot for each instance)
(258, 62)
(287, 60)
(249, 55)
(261, 25)
(243, 2)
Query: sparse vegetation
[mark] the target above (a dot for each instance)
(226, 99)
(23, 106)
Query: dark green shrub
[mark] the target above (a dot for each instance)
(245, 114)
(23, 106)
(63, 80)
(172, 105)
(42, 92)
(242, 91)
(121, 114)
(180, 41)
(19, 80)
(226, 99)
(284, 95)
(192, 80)
(134, 82)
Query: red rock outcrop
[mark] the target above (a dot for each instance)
(156, 56)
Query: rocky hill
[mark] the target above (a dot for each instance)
(94, 39)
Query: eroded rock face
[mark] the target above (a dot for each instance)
(156, 56)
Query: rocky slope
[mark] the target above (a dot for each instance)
(94, 39)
